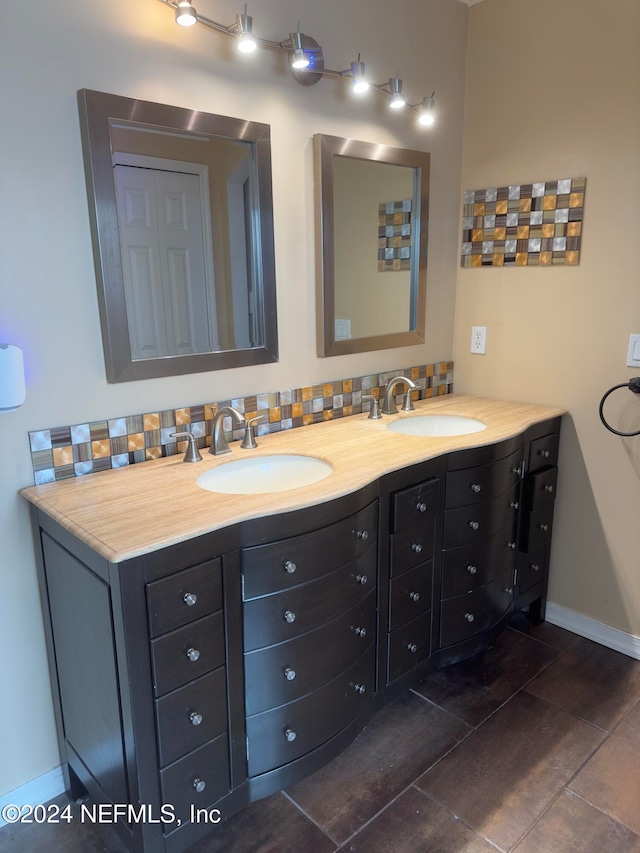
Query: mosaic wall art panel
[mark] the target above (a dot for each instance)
(59, 453)
(524, 225)
(394, 236)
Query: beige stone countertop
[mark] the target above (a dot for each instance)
(129, 511)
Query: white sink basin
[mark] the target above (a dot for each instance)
(259, 475)
(437, 425)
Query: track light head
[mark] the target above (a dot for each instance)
(186, 15)
(243, 27)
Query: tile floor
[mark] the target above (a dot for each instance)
(533, 746)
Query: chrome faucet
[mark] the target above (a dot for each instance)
(218, 439)
(389, 406)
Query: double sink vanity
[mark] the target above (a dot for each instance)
(219, 631)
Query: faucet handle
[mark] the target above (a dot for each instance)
(249, 441)
(374, 411)
(192, 454)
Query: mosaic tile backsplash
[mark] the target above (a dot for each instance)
(60, 453)
(524, 225)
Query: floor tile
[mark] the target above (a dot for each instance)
(401, 742)
(591, 681)
(413, 823)
(611, 779)
(552, 635)
(504, 775)
(475, 688)
(571, 824)
(273, 825)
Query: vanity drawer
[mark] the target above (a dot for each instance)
(199, 779)
(475, 523)
(408, 645)
(283, 615)
(466, 615)
(183, 597)
(187, 652)
(411, 547)
(286, 671)
(472, 566)
(412, 506)
(539, 527)
(542, 488)
(410, 594)
(191, 716)
(278, 565)
(532, 568)
(474, 485)
(283, 734)
(543, 452)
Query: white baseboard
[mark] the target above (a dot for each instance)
(38, 791)
(613, 638)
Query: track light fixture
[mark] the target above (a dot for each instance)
(186, 15)
(306, 59)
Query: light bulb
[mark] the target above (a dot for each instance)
(300, 59)
(246, 43)
(426, 116)
(186, 15)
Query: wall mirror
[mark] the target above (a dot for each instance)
(372, 210)
(182, 223)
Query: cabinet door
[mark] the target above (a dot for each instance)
(408, 646)
(410, 594)
(465, 616)
(476, 523)
(478, 484)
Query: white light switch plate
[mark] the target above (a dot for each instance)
(479, 339)
(633, 357)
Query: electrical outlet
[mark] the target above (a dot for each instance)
(633, 356)
(479, 339)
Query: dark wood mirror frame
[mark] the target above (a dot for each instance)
(97, 110)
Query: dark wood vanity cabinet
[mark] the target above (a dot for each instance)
(216, 671)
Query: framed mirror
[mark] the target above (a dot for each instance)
(181, 215)
(372, 211)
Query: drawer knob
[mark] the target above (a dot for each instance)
(475, 487)
(472, 569)
(548, 489)
(416, 547)
(290, 567)
(193, 655)
(535, 566)
(290, 735)
(421, 507)
(360, 688)
(544, 453)
(511, 545)
(508, 589)
(363, 579)
(516, 470)
(544, 527)
(412, 648)
(190, 598)
(474, 525)
(414, 596)
(195, 718)
(514, 505)
(361, 632)
(362, 534)
(199, 785)
(469, 617)
(289, 616)
(289, 673)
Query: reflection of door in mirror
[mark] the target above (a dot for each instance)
(375, 301)
(166, 277)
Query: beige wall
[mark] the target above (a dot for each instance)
(553, 91)
(48, 301)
